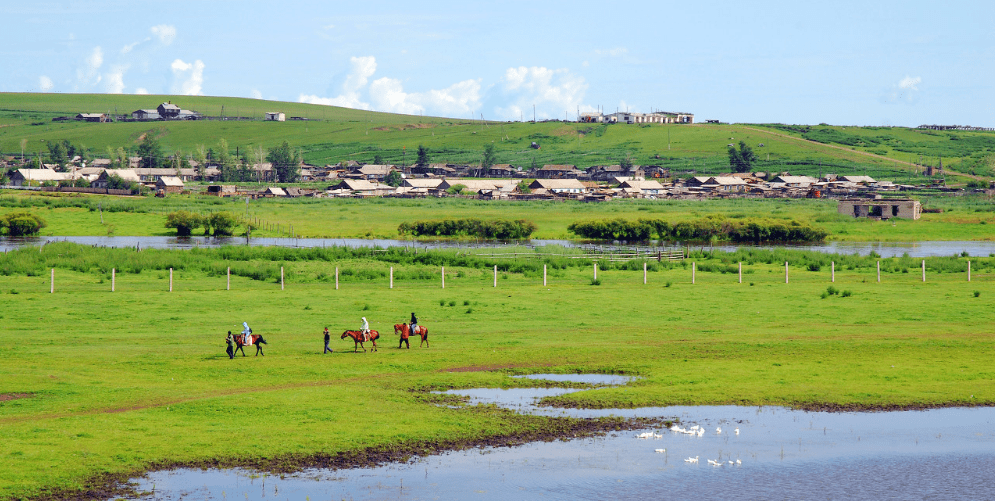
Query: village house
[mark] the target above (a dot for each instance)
(275, 116)
(372, 172)
(104, 180)
(30, 177)
(643, 188)
(883, 209)
(552, 171)
(145, 114)
(169, 184)
(558, 186)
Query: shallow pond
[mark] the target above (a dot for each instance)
(781, 454)
(884, 249)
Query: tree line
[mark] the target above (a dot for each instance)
(699, 230)
(502, 229)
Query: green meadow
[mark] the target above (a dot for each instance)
(334, 134)
(963, 218)
(99, 384)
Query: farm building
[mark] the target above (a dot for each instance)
(558, 185)
(145, 114)
(169, 184)
(276, 116)
(222, 190)
(553, 171)
(883, 209)
(25, 177)
(104, 180)
(92, 117)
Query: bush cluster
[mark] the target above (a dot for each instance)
(500, 228)
(699, 230)
(18, 224)
(216, 223)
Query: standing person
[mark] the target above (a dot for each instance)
(414, 324)
(366, 330)
(246, 334)
(231, 346)
(404, 339)
(327, 337)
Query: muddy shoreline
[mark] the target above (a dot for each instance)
(108, 486)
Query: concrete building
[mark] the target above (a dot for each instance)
(276, 116)
(881, 209)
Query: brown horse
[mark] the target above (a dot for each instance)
(257, 340)
(357, 337)
(405, 330)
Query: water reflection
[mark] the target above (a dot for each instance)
(884, 249)
(783, 454)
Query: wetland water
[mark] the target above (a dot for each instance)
(884, 249)
(783, 454)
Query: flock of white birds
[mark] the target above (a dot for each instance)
(693, 431)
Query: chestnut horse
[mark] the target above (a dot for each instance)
(405, 329)
(257, 340)
(357, 337)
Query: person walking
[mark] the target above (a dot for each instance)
(366, 330)
(404, 339)
(327, 337)
(231, 346)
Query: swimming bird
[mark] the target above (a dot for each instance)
(701, 431)
(738, 462)
(737, 431)
(691, 460)
(661, 451)
(718, 430)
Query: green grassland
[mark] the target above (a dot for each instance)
(334, 134)
(116, 382)
(963, 218)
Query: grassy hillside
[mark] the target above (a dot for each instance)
(332, 134)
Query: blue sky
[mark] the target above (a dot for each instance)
(862, 63)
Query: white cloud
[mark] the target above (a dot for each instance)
(114, 83)
(141, 90)
(388, 94)
(905, 91)
(89, 73)
(127, 48)
(910, 83)
(165, 33)
(188, 78)
(256, 94)
(616, 52)
(45, 83)
(96, 59)
(551, 91)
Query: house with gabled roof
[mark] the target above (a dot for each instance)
(558, 186)
(554, 171)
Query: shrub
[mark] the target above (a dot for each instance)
(184, 222)
(22, 223)
(846, 294)
(595, 281)
(222, 223)
(500, 229)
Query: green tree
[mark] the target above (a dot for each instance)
(151, 152)
(22, 223)
(741, 160)
(422, 157)
(200, 156)
(626, 163)
(221, 224)
(184, 222)
(226, 162)
(286, 163)
(393, 178)
(490, 158)
(378, 159)
(57, 154)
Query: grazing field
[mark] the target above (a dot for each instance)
(963, 218)
(96, 384)
(334, 134)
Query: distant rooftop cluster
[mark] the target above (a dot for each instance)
(955, 127)
(625, 117)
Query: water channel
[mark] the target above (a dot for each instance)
(885, 249)
(743, 453)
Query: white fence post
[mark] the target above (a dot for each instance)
(785, 272)
(879, 271)
(336, 278)
(923, 270)
(51, 286)
(692, 272)
(113, 276)
(595, 271)
(644, 272)
(170, 280)
(543, 275)
(833, 265)
(391, 277)
(229, 279)
(443, 277)
(740, 272)
(495, 275)
(969, 270)
(281, 278)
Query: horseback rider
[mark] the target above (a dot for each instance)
(366, 330)
(246, 334)
(414, 324)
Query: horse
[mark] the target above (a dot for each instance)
(405, 329)
(357, 337)
(257, 340)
